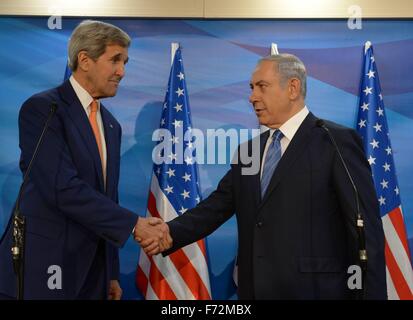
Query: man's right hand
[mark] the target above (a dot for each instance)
(153, 235)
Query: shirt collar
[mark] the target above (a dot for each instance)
(84, 97)
(290, 127)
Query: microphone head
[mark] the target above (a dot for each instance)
(320, 123)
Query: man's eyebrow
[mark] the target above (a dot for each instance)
(119, 56)
(259, 82)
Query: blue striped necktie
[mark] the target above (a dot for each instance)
(271, 160)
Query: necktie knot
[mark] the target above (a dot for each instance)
(94, 106)
(277, 136)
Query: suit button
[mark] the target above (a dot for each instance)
(259, 224)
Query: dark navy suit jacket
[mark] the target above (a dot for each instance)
(72, 221)
(299, 240)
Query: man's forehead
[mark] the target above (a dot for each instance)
(114, 49)
(263, 71)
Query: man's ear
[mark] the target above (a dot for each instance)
(294, 88)
(83, 61)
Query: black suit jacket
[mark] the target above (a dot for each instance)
(299, 240)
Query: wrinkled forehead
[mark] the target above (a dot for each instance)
(265, 70)
(116, 51)
(116, 48)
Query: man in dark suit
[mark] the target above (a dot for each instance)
(74, 225)
(296, 217)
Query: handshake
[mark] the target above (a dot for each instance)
(153, 235)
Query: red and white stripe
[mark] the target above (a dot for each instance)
(398, 266)
(183, 275)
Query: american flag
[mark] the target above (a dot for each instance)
(174, 189)
(372, 126)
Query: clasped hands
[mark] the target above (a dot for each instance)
(153, 235)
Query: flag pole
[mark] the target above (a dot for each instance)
(274, 49)
(367, 45)
(174, 47)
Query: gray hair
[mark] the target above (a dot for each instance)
(289, 66)
(93, 37)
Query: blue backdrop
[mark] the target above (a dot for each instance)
(219, 56)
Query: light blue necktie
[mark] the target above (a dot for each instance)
(271, 160)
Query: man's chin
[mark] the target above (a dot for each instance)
(110, 94)
(262, 121)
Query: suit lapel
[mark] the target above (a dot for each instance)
(295, 148)
(78, 115)
(111, 147)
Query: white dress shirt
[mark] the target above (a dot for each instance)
(86, 99)
(288, 129)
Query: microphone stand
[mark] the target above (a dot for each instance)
(362, 252)
(19, 222)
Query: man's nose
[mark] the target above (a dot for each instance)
(120, 71)
(253, 97)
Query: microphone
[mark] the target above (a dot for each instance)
(359, 218)
(19, 223)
